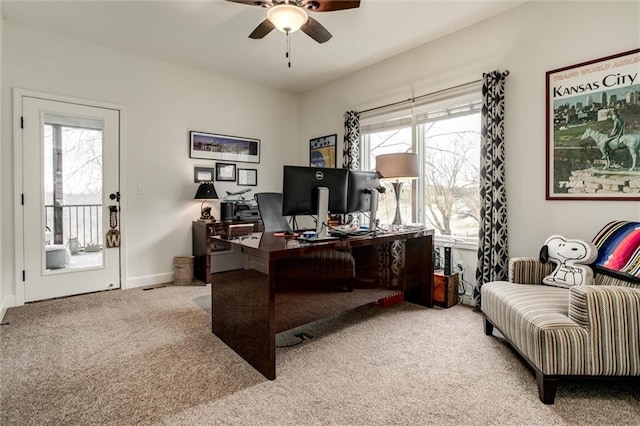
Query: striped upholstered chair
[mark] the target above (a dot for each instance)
(583, 331)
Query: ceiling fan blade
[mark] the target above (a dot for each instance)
(330, 5)
(261, 3)
(262, 30)
(316, 31)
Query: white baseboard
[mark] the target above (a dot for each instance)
(7, 302)
(146, 280)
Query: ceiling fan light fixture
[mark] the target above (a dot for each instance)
(287, 18)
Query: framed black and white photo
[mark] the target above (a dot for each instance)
(213, 146)
(247, 177)
(322, 151)
(225, 172)
(593, 130)
(203, 174)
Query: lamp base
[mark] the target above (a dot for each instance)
(397, 187)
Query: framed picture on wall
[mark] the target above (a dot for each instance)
(593, 129)
(323, 151)
(225, 172)
(213, 146)
(203, 174)
(247, 177)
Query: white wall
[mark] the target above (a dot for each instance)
(3, 303)
(163, 101)
(528, 40)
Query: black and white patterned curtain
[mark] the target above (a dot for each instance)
(390, 255)
(351, 150)
(493, 250)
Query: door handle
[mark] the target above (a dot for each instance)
(115, 196)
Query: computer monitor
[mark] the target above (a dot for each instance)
(303, 193)
(361, 185)
(362, 195)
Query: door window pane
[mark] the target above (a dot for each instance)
(73, 192)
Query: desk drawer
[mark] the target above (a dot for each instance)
(227, 260)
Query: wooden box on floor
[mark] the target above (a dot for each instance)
(445, 289)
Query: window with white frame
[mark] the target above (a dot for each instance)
(443, 129)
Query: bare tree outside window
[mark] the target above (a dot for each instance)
(445, 134)
(451, 175)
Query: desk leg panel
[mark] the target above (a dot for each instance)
(242, 316)
(419, 270)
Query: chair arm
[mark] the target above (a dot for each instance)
(611, 316)
(528, 270)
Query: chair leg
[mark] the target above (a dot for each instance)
(488, 327)
(547, 388)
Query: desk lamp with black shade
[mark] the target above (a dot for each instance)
(206, 191)
(398, 167)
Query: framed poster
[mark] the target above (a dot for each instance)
(212, 146)
(247, 177)
(593, 130)
(323, 151)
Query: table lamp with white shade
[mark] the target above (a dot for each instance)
(398, 168)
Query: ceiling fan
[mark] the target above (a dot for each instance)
(291, 15)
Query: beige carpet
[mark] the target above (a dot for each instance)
(149, 357)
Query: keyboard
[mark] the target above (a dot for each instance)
(354, 233)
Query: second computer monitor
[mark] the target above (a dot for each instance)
(361, 185)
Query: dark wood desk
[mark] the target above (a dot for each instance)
(243, 302)
(202, 247)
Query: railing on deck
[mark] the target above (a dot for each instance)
(81, 221)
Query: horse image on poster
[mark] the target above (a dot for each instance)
(607, 145)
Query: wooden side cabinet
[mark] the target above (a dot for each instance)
(202, 246)
(445, 289)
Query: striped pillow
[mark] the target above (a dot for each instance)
(618, 246)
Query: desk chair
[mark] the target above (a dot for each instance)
(330, 269)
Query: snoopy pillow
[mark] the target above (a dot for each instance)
(572, 258)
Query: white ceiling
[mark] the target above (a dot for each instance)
(213, 34)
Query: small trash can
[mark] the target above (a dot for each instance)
(183, 270)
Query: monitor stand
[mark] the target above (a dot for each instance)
(322, 232)
(373, 210)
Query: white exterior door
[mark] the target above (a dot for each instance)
(70, 190)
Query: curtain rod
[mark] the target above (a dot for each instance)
(413, 99)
